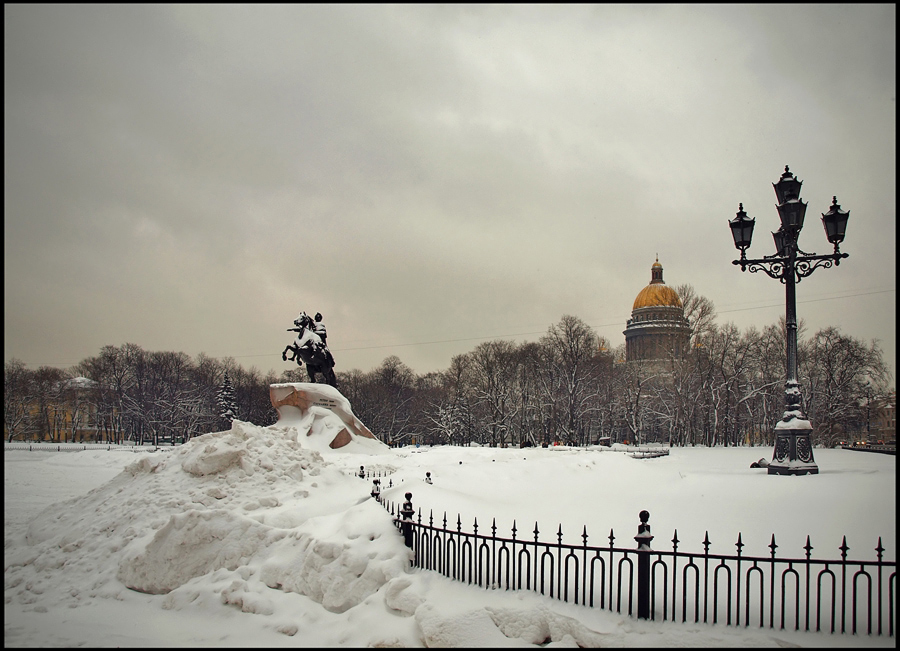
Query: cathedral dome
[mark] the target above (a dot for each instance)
(657, 293)
(657, 329)
(657, 296)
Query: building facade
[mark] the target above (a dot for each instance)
(67, 414)
(882, 425)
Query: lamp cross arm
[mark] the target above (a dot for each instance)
(809, 257)
(774, 267)
(774, 264)
(769, 259)
(807, 264)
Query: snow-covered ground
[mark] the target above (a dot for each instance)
(255, 537)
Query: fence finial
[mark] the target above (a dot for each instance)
(407, 509)
(643, 536)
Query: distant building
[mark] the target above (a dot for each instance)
(657, 329)
(883, 426)
(75, 413)
(69, 413)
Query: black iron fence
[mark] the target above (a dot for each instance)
(803, 593)
(881, 449)
(80, 447)
(364, 473)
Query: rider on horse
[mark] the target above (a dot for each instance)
(309, 347)
(319, 327)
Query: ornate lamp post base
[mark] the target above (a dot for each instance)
(793, 450)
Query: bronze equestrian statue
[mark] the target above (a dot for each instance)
(310, 348)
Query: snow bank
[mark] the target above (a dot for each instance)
(252, 537)
(503, 627)
(350, 556)
(215, 539)
(245, 518)
(237, 501)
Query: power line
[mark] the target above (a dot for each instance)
(524, 334)
(605, 325)
(810, 300)
(442, 341)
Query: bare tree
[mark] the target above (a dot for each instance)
(457, 381)
(528, 426)
(675, 401)
(699, 311)
(768, 375)
(635, 386)
(838, 371)
(48, 413)
(493, 366)
(18, 395)
(605, 409)
(383, 399)
(573, 348)
(444, 419)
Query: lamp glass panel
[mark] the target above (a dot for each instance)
(742, 232)
(835, 225)
(792, 214)
(778, 236)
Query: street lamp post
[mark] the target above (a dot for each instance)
(793, 449)
(868, 405)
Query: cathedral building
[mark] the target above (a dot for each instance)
(657, 329)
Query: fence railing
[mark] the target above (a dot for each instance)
(881, 449)
(362, 473)
(80, 447)
(803, 593)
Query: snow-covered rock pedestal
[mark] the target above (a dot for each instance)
(321, 415)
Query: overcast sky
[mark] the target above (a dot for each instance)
(189, 178)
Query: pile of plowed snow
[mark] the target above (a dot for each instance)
(231, 506)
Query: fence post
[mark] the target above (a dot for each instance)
(406, 512)
(643, 539)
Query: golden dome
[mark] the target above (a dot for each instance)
(656, 295)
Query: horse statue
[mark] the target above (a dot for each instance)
(308, 347)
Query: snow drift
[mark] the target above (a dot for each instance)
(249, 537)
(236, 501)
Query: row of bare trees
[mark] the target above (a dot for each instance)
(141, 396)
(570, 386)
(573, 386)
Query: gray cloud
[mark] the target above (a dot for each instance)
(189, 177)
